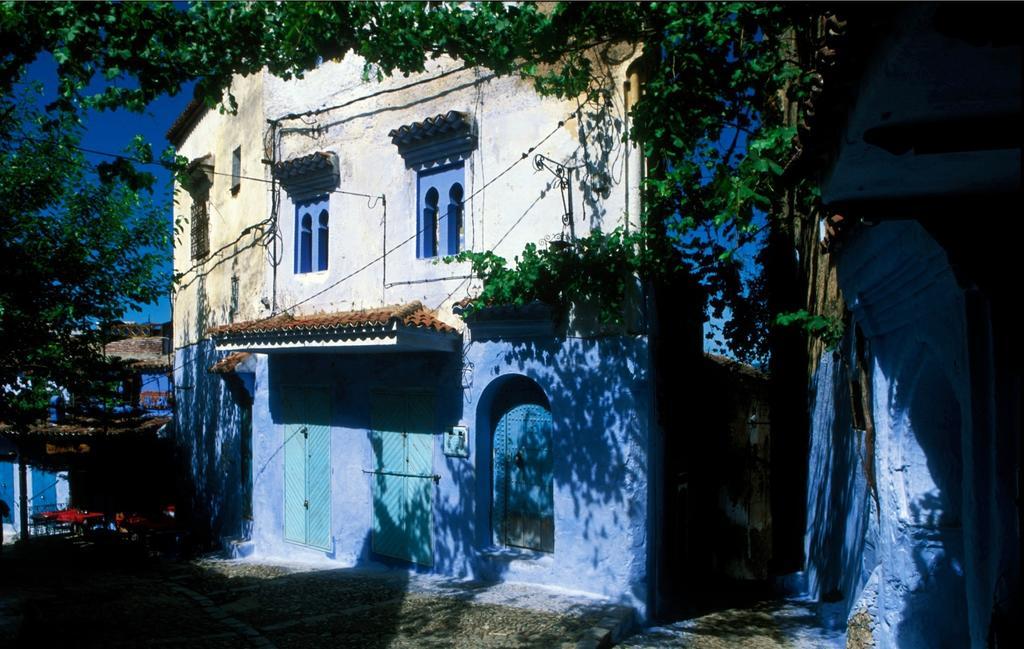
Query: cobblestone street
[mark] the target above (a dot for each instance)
(76, 595)
(777, 624)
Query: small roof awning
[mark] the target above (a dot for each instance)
(141, 353)
(231, 363)
(404, 327)
(90, 426)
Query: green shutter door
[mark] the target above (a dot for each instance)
(524, 470)
(307, 467)
(318, 469)
(403, 444)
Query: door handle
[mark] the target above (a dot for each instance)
(305, 503)
(518, 460)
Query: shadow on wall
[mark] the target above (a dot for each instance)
(928, 484)
(208, 421)
(599, 454)
(841, 516)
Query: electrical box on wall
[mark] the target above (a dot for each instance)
(456, 441)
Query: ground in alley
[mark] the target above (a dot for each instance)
(69, 593)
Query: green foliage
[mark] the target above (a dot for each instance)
(595, 269)
(78, 247)
(710, 120)
(828, 330)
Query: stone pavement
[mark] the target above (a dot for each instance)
(780, 624)
(72, 594)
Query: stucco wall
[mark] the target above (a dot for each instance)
(202, 296)
(207, 420)
(520, 207)
(842, 530)
(600, 447)
(925, 568)
(599, 389)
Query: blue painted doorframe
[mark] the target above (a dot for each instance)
(402, 480)
(307, 466)
(523, 485)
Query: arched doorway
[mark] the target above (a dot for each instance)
(522, 514)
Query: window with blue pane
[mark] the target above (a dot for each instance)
(440, 214)
(312, 235)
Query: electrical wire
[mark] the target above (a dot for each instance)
(523, 156)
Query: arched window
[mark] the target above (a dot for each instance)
(454, 223)
(305, 243)
(321, 241)
(430, 232)
(312, 236)
(440, 224)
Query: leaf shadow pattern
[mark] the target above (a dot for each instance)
(209, 421)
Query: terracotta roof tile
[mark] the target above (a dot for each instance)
(183, 124)
(413, 315)
(308, 164)
(228, 364)
(143, 352)
(89, 426)
(451, 122)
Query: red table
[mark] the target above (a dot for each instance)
(74, 516)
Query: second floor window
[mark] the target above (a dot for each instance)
(236, 170)
(439, 223)
(312, 235)
(200, 227)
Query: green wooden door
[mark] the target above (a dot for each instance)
(307, 466)
(523, 485)
(403, 481)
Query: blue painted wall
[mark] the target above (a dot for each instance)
(599, 398)
(925, 568)
(8, 478)
(43, 490)
(207, 422)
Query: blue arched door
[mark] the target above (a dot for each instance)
(523, 492)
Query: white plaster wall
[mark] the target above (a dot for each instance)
(520, 207)
(202, 296)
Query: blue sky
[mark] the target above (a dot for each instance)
(112, 131)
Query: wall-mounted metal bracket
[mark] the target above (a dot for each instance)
(563, 174)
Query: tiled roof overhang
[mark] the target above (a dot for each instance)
(308, 175)
(141, 353)
(182, 126)
(407, 327)
(436, 140)
(76, 427)
(230, 363)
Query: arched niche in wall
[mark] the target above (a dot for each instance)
(517, 415)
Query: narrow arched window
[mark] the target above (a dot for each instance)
(321, 241)
(430, 232)
(306, 243)
(454, 223)
(440, 212)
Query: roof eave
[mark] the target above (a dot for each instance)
(389, 337)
